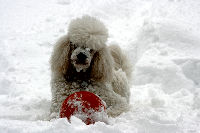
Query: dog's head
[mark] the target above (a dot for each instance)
(83, 52)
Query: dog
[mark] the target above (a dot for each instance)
(81, 61)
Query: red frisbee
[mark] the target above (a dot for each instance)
(84, 105)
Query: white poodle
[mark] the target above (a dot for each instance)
(81, 60)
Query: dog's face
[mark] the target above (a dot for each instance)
(82, 54)
(81, 57)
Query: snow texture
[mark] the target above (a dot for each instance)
(161, 37)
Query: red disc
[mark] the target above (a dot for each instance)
(85, 105)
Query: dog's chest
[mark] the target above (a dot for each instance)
(82, 86)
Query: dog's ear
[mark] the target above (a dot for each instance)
(102, 65)
(60, 57)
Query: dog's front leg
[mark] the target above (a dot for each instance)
(60, 90)
(118, 105)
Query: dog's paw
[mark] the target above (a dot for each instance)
(116, 111)
(53, 115)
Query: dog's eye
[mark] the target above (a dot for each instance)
(92, 51)
(73, 45)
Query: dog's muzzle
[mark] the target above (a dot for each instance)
(81, 58)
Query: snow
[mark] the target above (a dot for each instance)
(161, 37)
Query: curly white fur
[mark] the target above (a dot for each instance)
(106, 75)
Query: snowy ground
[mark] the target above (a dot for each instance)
(161, 38)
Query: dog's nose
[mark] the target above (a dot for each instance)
(81, 57)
